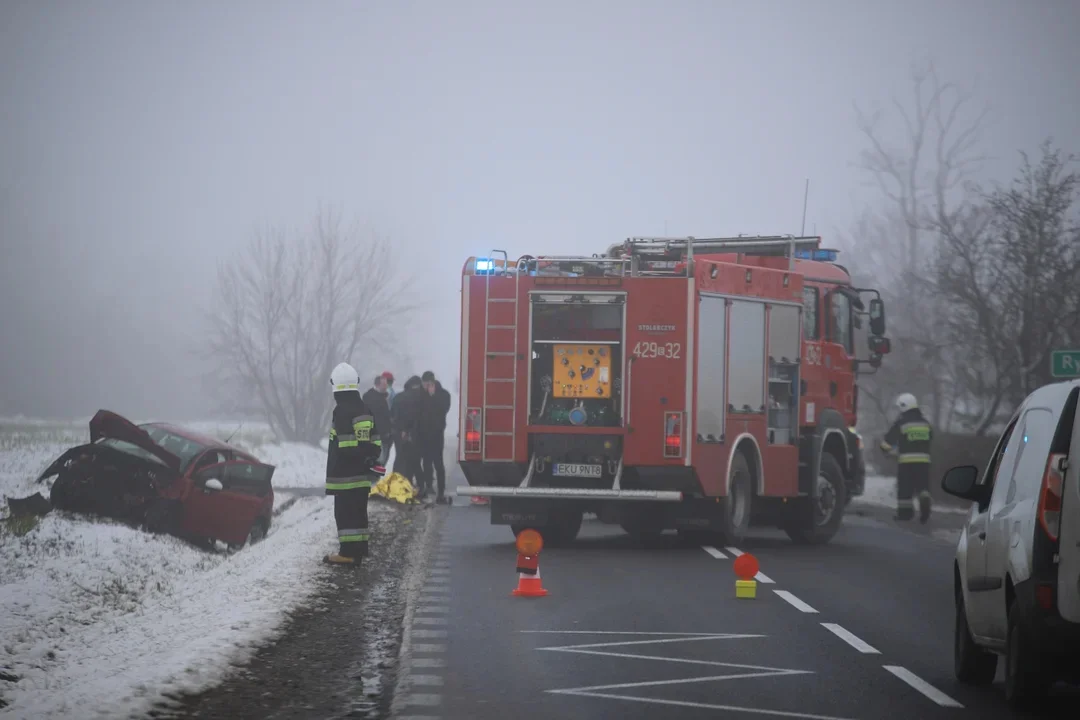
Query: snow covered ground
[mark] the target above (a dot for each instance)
(880, 491)
(98, 619)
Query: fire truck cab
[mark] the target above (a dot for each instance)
(698, 384)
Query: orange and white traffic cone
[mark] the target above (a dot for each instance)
(529, 585)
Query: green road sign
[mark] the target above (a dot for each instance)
(1065, 363)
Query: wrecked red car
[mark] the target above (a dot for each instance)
(165, 479)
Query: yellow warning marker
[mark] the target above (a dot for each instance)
(746, 569)
(746, 589)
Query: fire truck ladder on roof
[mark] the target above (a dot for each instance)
(499, 328)
(774, 245)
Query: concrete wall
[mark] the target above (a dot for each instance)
(948, 450)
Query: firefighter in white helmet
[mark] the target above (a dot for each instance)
(351, 465)
(909, 438)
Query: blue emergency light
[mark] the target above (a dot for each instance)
(485, 266)
(820, 254)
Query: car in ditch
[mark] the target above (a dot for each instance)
(165, 479)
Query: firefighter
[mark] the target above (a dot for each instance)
(351, 465)
(909, 438)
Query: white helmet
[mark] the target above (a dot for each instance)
(345, 378)
(905, 402)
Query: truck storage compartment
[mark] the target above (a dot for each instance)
(575, 371)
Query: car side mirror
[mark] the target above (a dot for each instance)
(875, 360)
(962, 482)
(877, 316)
(213, 484)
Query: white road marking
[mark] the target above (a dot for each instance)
(432, 610)
(429, 633)
(922, 686)
(429, 621)
(703, 706)
(428, 662)
(851, 639)
(425, 699)
(733, 673)
(428, 648)
(439, 571)
(760, 577)
(714, 552)
(420, 717)
(796, 602)
(634, 632)
(429, 680)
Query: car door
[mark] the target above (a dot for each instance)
(246, 495)
(1011, 505)
(202, 510)
(980, 587)
(1068, 590)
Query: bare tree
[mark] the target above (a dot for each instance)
(923, 180)
(1011, 270)
(290, 307)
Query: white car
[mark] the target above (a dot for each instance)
(1017, 570)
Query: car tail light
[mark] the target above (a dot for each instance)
(673, 434)
(1050, 496)
(472, 431)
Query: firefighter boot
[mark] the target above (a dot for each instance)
(336, 559)
(925, 505)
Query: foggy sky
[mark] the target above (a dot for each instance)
(140, 142)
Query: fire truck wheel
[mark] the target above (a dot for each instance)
(737, 503)
(815, 520)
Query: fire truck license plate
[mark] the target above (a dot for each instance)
(575, 470)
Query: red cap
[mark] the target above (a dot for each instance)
(388, 375)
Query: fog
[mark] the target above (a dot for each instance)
(141, 143)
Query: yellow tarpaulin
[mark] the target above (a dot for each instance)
(395, 487)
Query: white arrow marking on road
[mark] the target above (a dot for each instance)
(922, 686)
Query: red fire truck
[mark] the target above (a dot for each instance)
(697, 384)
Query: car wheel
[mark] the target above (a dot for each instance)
(1025, 679)
(162, 517)
(736, 505)
(257, 534)
(972, 664)
(816, 520)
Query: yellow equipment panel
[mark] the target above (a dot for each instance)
(582, 371)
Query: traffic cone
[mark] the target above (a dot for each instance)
(529, 585)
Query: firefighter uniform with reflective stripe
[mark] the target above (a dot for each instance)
(910, 438)
(352, 454)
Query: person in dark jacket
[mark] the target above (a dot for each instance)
(910, 437)
(405, 414)
(351, 464)
(377, 400)
(433, 434)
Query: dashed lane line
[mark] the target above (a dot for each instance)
(795, 602)
(922, 686)
(851, 639)
(719, 555)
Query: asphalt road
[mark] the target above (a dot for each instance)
(859, 629)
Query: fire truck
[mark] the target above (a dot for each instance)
(700, 384)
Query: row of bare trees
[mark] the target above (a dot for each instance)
(292, 305)
(982, 282)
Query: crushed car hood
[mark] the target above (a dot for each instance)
(107, 424)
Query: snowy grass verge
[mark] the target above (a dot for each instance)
(100, 620)
(880, 491)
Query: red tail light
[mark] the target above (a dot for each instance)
(673, 434)
(1050, 496)
(472, 431)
